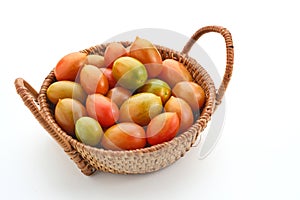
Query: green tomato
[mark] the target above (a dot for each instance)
(88, 131)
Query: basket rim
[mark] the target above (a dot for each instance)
(193, 132)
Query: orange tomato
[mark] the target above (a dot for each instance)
(124, 136)
(144, 51)
(191, 92)
(174, 72)
(67, 112)
(183, 110)
(162, 128)
(68, 67)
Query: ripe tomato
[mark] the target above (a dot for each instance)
(140, 108)
(67, 112)
(183, 110)
(124, 136)
(102, 109)
(174, 72)
(191, 92)
(108, 73)
(144, 51)
(68, 67)
(162, 128)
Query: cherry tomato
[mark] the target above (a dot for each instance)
(93, 80)
(112, 52)
(124, 136)
(174, 72)
(162, 128)
(118, 95)
(102, 109)
(88, 131)
(108, 73)
(157, 87)
(191, 92)
(68, 67)
(67, 112)
(183, 110)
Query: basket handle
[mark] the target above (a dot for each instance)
(229, 55)
(29, 97)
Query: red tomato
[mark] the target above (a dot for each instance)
(162, 128)
(102, 109)
(108, 73)
(124, 136)
(68, 66)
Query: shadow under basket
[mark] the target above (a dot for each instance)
(90, 159)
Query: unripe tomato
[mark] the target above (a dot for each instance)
(88, 131)
(129, 73)
(157, 87)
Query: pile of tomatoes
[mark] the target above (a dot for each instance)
(127, 99)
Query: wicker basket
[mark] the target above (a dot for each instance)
(149, 159)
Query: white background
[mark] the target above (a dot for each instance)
(257, 156)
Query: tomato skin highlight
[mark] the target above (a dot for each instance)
(162, 128)
(124, 136)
